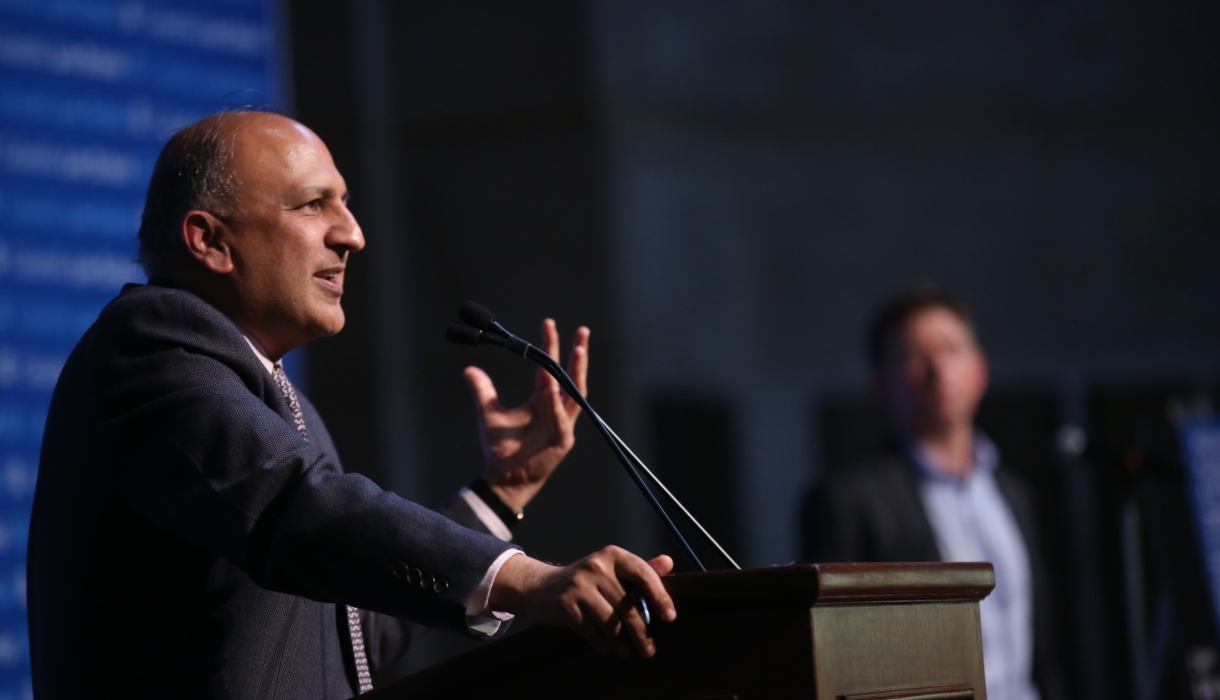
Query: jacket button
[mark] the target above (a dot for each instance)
(414, 575)
(440, 586)
(400, 570)
(426, 582)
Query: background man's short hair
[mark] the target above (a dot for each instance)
(192, 172)
(891, 315)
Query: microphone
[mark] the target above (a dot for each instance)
(479, 318)
(482, 328)
(460, 334)
(476, 316)
(463, 335)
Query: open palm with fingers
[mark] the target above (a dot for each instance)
(525, 444)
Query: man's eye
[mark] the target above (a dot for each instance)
(315, 204)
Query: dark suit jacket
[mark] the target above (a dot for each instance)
(187, 543)
(874, 513)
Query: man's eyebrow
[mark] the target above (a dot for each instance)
(314, 191)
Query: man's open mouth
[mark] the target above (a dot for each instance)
(332, 278)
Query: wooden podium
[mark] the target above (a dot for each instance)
(824, 631)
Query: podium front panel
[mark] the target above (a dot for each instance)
(865, 651)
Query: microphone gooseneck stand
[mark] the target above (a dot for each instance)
(481, 327)
(557, 371)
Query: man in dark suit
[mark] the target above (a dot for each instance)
(942, 495)
(194, 534)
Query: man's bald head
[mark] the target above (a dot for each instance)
(193, 172)
(247, 211)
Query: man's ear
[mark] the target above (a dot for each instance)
(207, 241)
(984, 372)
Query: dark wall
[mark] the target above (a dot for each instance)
(501, 162)
(497, 160)
(342, 371)
(781, 167)
(694, 444)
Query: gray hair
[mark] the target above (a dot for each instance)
(192, 172)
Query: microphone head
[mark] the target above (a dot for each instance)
(463, 335)
(475, 315)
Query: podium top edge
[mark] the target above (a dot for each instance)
(851, 583)
(839, 584)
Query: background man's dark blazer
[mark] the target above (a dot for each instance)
(187, 543)
(874, 513)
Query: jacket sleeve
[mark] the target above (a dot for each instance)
(390, 638)
(203, 457)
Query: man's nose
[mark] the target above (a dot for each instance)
(346, 233)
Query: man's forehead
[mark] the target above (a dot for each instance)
(273, 144)
(936, 314)
(275, 133)
(935, 322)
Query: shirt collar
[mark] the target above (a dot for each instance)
(986, 457)
(259, 352)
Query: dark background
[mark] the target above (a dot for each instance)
(723, 191)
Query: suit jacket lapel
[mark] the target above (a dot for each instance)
(922, 537)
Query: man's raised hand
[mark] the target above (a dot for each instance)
(591, 597)
(525, 444)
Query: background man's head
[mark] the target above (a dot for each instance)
(927, 364)
(247, 210)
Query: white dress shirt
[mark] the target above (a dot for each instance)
(972, 522)
(480, 618)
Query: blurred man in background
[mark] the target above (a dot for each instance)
(942, 495)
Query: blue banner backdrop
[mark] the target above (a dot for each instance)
(1201, 452)
(89, 91)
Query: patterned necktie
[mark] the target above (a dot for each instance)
(353, 614)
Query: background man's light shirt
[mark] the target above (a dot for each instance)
(972, 522)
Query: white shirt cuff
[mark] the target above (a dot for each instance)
(480, 619)
(486, 515)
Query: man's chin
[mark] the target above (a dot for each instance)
(327, 324)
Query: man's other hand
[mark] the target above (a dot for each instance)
(525, 444)
(590, 596)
